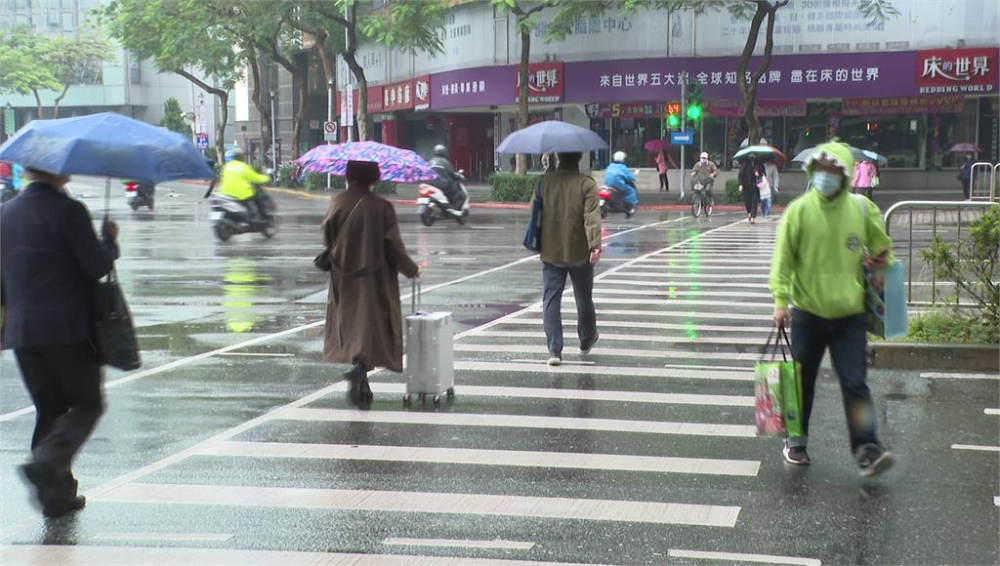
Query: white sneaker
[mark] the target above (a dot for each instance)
(555, 361)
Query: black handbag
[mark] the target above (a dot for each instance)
(114, 333)
(533, 232)
(322, 261)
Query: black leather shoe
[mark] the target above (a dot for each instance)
(55, 509)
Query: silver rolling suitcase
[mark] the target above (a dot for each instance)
(430, 368)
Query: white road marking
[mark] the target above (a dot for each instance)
(478, 457)
(713, 368)
(659, 275)
(614, 371)
(257, 354)
(956, 375)
(975, 447)
(739, 557)
(699, 275)
(460, 543)
(674, 293)
(541, 361)
(652, 325)
(173, 537)
(424, 502)
(667, 282)
(724, 341)
(681, 303)
(518, 421)
(678, 314)
(996, 500)
(992, 411)
(88, 555)
(600, 351)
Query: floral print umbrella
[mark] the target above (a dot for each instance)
(399, 165)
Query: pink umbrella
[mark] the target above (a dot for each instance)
(654, 146)
(965, 148)
(399, 165)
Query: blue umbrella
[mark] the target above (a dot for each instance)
(552, 137)
(106, 145)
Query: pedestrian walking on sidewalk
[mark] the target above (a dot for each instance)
(751, 172)
(364, 322)
(965, 176)
(817, 267)
(50, 262)
(571, 246)
(773, 179)
(663, 164)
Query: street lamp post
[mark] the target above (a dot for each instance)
(274, 142)
(329, 118)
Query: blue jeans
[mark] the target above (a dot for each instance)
(553, 283)
(765, 206)
(847, 340)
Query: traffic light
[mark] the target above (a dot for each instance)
(694, 111)
(673, 115)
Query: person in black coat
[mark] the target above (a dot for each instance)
(50, 262)
(751, 171)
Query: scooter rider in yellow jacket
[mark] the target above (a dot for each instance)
(238, 180)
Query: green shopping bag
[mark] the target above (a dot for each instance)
(778, 390)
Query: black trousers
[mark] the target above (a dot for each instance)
(664, 182)
(64, 382)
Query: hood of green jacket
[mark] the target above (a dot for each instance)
(840, 154)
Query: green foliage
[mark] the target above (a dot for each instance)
(173, 118)
(972, 263)
(508, 187)
(315, 182)
(946, 327)
(733, 195)
(385, 188)
(19, 55)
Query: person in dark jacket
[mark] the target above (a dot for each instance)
(965, 177)
(50, 262)
(751, 171)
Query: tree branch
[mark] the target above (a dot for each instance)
(201, 84)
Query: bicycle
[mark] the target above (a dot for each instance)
(702, 200)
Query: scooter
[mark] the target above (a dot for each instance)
(230, 216)
(140, 194)
(612, 200)
(433, 203)
(7, 191)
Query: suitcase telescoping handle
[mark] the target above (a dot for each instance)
(415, 296)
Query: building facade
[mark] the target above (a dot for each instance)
(911, 88)
(125, 85)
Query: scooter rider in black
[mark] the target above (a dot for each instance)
(449, 177)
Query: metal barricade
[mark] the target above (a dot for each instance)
(983, 182)
(935, 207)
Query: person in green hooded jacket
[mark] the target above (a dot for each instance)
(825, 238)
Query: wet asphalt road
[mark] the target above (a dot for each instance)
(205, 446)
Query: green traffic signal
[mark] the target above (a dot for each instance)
(694, 112)
(673, 121)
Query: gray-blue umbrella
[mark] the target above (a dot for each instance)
(552, 137)
(106, 145)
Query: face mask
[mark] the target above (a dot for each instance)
(827, 184)
(704, 160)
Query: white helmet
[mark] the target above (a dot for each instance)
(704, 155)
(619, 156)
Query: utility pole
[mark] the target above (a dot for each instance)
(329, 118)
(683, 129)
(274, 136)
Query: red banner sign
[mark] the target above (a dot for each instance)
(765, 108)
(945, 71)
(545, 82)
(397, 96)
(954, 104)
(422, 93)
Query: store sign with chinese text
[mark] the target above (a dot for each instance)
(765, 108)
(545, 82)
(422, 93)
(958, 71)
(480, 86)
(634, 110)
(954, 104)
(397, 96)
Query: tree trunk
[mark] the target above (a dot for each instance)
(38, 103)
(220, 128)
(302, 86)
(749, 91)
(263, 108)
(59, 99)
(522, 95)
(359, 73)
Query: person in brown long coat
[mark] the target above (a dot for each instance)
(364, 323)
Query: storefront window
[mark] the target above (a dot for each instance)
(898, 138)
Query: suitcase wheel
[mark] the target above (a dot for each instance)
(451, 392)
(407, 399)
(437, 400)
(422, 397)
